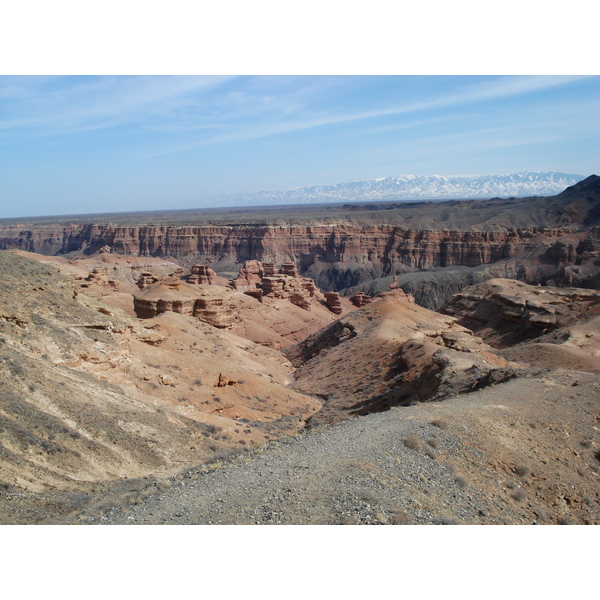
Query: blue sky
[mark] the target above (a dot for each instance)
(80, 144)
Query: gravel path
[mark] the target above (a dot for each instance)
(364, 472)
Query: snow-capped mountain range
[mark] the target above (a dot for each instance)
(416, 187)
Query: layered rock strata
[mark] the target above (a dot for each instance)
(361, 299)
(505, 312)
(208, 304)
(333, 302)
(257, 280)
(560, 231)
(146, 279)
(299, 244)
(202, 275)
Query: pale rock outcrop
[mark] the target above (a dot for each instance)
(205, 303)
(505, 312)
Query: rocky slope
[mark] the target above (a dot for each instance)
(547, 326)
(89, 394)
(390, 353)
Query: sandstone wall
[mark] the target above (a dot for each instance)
(303, 245)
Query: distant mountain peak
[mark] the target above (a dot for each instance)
(417, 187)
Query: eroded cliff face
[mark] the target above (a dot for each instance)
(383, 245)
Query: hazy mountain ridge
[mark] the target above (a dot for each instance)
(417, 187)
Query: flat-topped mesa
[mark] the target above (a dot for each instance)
(333, 302)
(206, 304)
(249, 276)
(361, 299)
(202, 275)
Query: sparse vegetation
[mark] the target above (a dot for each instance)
(399, 517)
(441, 423)
(522, 470)
(444, 520)
(461, 482)
(413, 442)
(519, 495)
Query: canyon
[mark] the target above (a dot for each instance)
(150, 371)
(532, 239)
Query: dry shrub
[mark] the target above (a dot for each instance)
(434, 442)
(413, 442)
(519, 495)
(441, 423)
(445, 520)
(461, 482)
(399, 517)
(431, 453)
(522, 470)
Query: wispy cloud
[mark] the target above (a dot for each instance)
(61, 105)
(498, 89)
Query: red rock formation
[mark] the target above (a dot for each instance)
(269, 269)
(488, 237)
(299, 290)
(377, 244)
(333, 302)
(214, 312)
(202, 275)
(300, 300)
(396, 293)
(145, 280)
(249, 276)
(361, 299)
(289, 268)
(256, 293)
